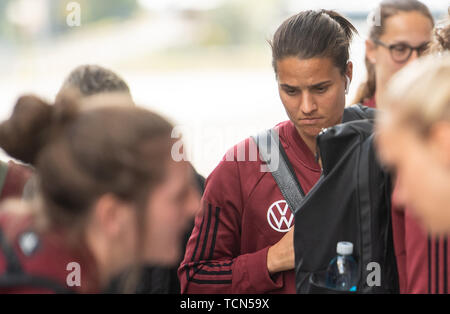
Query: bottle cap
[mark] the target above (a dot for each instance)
(344, 248)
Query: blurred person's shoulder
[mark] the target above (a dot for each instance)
(13, 178)
(40, 258)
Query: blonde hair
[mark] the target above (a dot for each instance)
(420, 93)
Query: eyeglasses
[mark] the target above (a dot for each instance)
(402, 52)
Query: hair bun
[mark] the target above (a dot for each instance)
(24, 134)
(348, 28)
(66, 107)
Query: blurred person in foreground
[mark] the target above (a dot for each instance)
(430, 109)
(414, 140)
(401, 32)
(108, 188)
(99, 86)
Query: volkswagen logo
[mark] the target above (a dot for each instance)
(280, 217)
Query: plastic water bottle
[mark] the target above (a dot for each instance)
(342, 272)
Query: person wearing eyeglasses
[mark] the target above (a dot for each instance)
(399, 32)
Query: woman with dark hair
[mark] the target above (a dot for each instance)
(399, 32)
(242, 241)
(108, 190)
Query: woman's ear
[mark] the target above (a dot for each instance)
(439, 138)
(349, 71)
(109, 213)
(370, 51)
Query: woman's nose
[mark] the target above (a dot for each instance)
(307, 103)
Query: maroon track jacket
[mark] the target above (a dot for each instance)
(422, 260)
(243, 214)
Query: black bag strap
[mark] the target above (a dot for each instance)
(282, 171)
(15, 276)
(358, 112)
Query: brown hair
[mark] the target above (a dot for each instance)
(80, 155)
(94, 79)
(377, 26)
(309, 34)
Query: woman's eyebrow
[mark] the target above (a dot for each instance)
(403, 42)
(318, 85)
(289, 86)
(425, 43)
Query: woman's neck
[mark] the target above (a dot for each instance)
(309, 141)
(379, 91)
(102, 257)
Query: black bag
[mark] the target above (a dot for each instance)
(350, 202)
(358, 112)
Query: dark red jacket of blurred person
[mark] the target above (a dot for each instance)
(422, 261)
(48, 255)
(13, 177)
(44, 255)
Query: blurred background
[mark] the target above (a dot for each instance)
(204, 64)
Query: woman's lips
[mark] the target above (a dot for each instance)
(310, 121)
